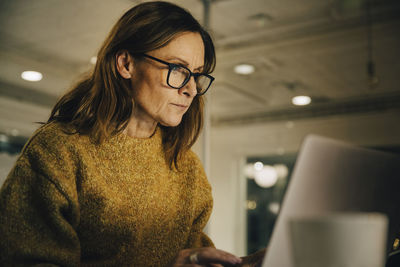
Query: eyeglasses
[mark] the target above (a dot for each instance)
(178, 76)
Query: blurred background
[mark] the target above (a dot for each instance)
(340, 58)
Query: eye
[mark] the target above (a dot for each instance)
(175, 67)
(179, 69)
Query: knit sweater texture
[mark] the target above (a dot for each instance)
(70, 202)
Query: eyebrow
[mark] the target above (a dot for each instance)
(184, 62)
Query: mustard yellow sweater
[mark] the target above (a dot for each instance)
(68, 202)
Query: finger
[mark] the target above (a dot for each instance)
(212, 255)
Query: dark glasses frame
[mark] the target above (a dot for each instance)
(172, 66)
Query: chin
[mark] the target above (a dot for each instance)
(171, 123)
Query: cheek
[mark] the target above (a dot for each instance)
(153, 99)
(143, 85)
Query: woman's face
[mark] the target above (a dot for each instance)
(154, 100)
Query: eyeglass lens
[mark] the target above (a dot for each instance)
(179, 76)
(203, 82)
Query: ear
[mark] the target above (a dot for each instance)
(124, 63)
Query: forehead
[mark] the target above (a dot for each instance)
(187, 46)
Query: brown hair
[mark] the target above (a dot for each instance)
(101, 104)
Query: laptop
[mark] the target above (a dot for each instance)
(333, 176)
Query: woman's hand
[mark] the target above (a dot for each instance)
(205, 257)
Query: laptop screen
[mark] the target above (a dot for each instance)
(332, 176)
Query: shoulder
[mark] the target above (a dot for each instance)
(193, 167)
(52, 137)
(192, 158)
(50, 155)
(191, 162)
(55, 144)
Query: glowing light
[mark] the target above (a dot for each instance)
(258, 166)
(244, 69)
(301, 100)
(93, 60)
(14, 132)
(3, 138)
(32, 76)
(281, 170)
(274, 207)
(249, 171)
(266, 177)
(251, 204)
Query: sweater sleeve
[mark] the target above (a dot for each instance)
(204, 207)
(38, 207)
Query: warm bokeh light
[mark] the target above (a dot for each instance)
(244, 69)
(301, 100)
(274, 207)
(251, 204)
(32, 76)
(266, 177)
(258, 166)
(93, 60)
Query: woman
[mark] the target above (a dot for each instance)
(110, 179)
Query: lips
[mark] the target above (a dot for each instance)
(180, 105)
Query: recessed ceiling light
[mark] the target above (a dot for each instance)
(301, 100)
(32, 76)
(244, 69)
(93, 60)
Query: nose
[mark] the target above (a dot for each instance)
(190, 88)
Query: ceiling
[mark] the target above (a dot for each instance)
(312, 47)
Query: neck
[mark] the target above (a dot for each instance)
(140, 129)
